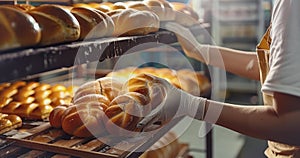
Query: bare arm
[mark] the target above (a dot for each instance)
(279, 122)
(238, 62)
(242, 63)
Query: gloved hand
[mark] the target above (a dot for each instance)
(191, 47)
(177, 103)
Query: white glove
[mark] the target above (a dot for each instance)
(177, 103)
(191, 47)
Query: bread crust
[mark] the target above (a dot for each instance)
(131, 22)
(57, 23)
(17, 29)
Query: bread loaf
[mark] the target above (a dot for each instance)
(118, 5)
(140, 96)
(105, 105)
(98, 6)
(84, 120)
(56, 116)
(9, 122)
(31, 110)
(17, 29)
(107, 86)
(162, 8)
(130, 22)
(22, 7)
(138, 6)
(57, 23)
(185, 15)
(32, 100)
(124, 113)
(90, 101)
(190, 81)
(93, 23)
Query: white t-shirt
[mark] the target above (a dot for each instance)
(284, 75)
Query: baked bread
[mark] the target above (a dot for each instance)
(17, 29)
(190, 81)
(130, 22)
(32, 100)
(84, 120)
(84, 117)
(56, 115)
(9, 122)
(82, 5)
(123, 106)
(138, 5)
(162, 8)
(57, 23)
(166, 147)
(25, 7)
(118, 5)
(30, 111)
(22, 7)
(185, 15)
(107, 86)
(93, 23)
(139, 96)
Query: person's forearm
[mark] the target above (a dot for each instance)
(238, 62)
(257, 121)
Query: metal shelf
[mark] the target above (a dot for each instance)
(249, 40)
(22, 63)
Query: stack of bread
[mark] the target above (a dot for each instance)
(27, 26)
(195, 83)
(9, 122)
(32, 100)
(106, 106)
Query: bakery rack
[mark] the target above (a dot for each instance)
(28, 63)
(41, 140)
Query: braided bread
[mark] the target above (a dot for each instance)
(9, 122)
(32, 100)
(84, 118)
(195, 83)
(123, 106)
(140, 96)
(106, 86)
